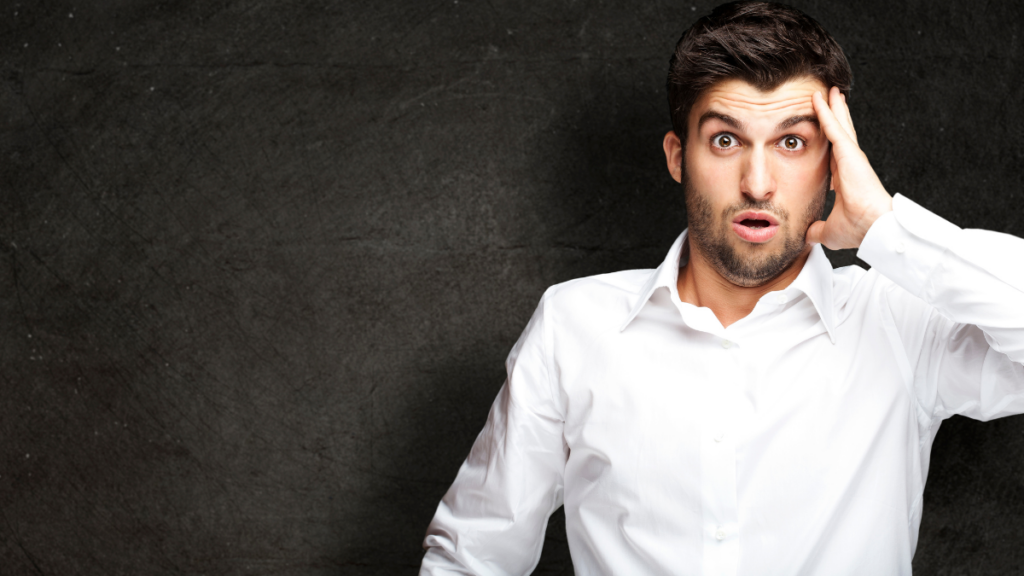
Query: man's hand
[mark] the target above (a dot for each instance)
(860, 196)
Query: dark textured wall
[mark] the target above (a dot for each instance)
(261, 262)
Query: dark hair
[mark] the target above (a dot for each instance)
(762, 43)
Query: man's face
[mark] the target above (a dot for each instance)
(756, 174)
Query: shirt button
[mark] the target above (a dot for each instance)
(719, 534)
(726, 344)
(719, 436)
(781, 298)
(900, 248)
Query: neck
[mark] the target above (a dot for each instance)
(701, 285)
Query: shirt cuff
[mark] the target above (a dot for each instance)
(906, 245)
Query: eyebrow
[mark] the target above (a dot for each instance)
(790, 122)
(712, 114)
(785, 124)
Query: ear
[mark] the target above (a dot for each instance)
(674, 155)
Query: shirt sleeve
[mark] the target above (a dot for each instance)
(960, 312)
(493, 518)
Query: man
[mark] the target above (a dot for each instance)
(745, 409)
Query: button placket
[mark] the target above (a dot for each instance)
(720, 415)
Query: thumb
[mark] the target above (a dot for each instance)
(815, 232)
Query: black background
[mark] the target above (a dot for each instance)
(261, 261)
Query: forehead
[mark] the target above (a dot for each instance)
(742, 101)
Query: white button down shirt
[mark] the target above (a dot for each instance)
(795, 441)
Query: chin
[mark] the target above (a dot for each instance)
(751, 265)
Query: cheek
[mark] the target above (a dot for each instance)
(712, 174)
(806, 174)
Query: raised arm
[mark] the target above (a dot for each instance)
(960, 313)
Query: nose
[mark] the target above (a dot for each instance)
(758, 181)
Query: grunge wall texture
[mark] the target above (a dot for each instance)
(261, 261)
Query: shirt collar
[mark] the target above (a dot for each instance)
(814, 280)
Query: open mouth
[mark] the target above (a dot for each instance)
(753, 223)
(755, 227)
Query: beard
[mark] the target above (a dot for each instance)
(760, 264)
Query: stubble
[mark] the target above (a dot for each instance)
(758, 266)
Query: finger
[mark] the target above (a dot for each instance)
(837, 103)
(842, 143)
(847, 119)
(815, 232)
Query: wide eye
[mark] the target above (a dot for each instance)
(724, 140)
(792, 143)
